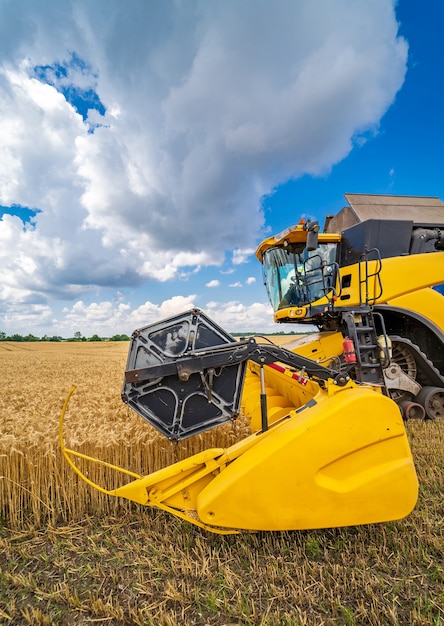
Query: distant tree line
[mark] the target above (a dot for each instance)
(78, 336)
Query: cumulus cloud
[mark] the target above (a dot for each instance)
(149, 312)
(100, 316)
(242, 256)
(107, 318)
(147, 138)
(237, 317)
(213, 283)
(250, 280)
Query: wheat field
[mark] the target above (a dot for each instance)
(36, 484)
(71, 555)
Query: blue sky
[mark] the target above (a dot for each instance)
(146, 150)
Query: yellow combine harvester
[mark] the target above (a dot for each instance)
(328, 445)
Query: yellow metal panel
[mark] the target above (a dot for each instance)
(344, 461)
(427, 302)
(399, 276)
(320, 347)
(169, 480)
(403, 275)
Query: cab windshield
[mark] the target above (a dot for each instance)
(295, 276)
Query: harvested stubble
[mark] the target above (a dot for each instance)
(36, 484)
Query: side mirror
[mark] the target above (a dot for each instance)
(312, 236)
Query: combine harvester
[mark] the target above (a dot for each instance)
(328, 445)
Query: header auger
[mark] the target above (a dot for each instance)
(327, 444)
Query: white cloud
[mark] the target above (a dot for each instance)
(95, 318)
(107, 318)
(149, 312)
(236, 284)
(213, 283)
(26, 319)
(242, 256)
(234, 316)
(250, 280)
(198, 122)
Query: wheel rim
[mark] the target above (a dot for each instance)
(403, 357)
(434, 404)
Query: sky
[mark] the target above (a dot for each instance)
(147, 147)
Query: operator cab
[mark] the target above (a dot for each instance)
(298, 277)
(300, 270)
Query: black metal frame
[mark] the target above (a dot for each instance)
(186, 386)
